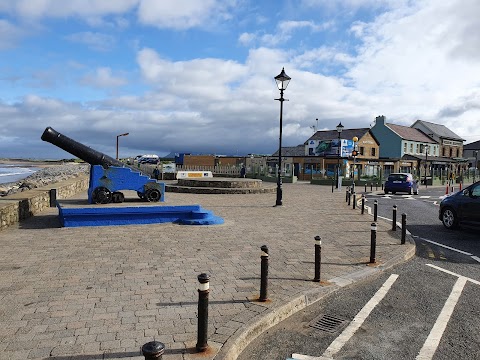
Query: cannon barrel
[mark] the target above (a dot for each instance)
(81, 151)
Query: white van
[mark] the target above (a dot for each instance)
(149, 159)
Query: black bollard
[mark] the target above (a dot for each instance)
(375, 210)
(404, 227)
(264, 273)
(153, 350)
(373, 242)
(354, 200)
(203, 291)
(318, 257)
(382, 186)
(349, 198)
(53, 197)
(371, 186)
(365, 187)
(394, 218)
(347, 194)
(363, 204)
(333, 183)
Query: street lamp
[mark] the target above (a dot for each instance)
(426, 160)
(117, 141)
(476, 165)
(339, 150)
(282, 81)
(354, 154)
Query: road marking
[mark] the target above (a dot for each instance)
(476, 258)
(338, 343)
(445, 246)
(454, 274)
(433, 339)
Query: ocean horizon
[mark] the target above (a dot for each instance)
(15, 172)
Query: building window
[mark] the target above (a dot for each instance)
(454, 152)
(361, 150)
(418, 148)
(451, 152)
(373, 151)
(404, 148)
(411, 148)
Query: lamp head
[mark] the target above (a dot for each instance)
(282, 80)
(340, 127)
(355, 139)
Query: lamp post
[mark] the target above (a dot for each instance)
(282, 81)
(476, 165)
(117, 142)
(354, 154)
(339, 150)
(426, 160)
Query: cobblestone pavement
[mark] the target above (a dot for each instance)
(103, 292)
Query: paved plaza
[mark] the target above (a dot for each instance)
(103, 292)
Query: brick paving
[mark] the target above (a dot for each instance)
(103, 292)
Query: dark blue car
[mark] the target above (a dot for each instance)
(401, 182)
(462, 207)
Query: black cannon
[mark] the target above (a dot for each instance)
(107, 175)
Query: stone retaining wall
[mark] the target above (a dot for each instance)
(20, 206)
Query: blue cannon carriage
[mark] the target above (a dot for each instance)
(107, 175)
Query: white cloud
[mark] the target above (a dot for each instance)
(103, 78)
(9, 34)
(94, 40)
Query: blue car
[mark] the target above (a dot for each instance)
(401, 182)
(462, 207)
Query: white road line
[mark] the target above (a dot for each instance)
(476, 258)
(433, 339)
(454, 274)
(338, 343)
(446, 247)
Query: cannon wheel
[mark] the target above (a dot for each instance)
(101, 195)
(152, 195)
(118, 197)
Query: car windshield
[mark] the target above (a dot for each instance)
(397, 177)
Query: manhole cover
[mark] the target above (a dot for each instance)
(328, 323)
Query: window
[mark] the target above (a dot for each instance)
(411, 148)
(361, 150)
(404, 148)
(418, 148)
(451, 152)
(373, 151)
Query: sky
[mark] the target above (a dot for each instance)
(189, 76)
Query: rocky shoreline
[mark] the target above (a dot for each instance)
(48, 174)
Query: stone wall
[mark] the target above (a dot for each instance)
(20, 206)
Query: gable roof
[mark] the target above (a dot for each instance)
(409, 133)
(472, 146)
(439, 130)
(298, 150)
(345, 134)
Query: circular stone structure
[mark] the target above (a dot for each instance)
(221, 186)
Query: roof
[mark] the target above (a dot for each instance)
(298, 150)
(345, 134)
(472, 146)
(409, 133)
(439, 130)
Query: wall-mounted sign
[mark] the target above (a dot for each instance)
(330, 147)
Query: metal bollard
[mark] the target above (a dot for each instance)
(349, 198)
(333, 183)
(264, 273)
(354, 200)
(53, 197)
(375, 210)
(382, 186)
(373, 242)
(394, 218)
(203, 291)
(363, 204)
(346, 195)
(371, 186)
(404, 227)
(365, 187)
(153, 350)
(318, 257)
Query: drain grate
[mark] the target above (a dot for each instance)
(328, 323)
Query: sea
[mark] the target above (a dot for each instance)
(15, 172)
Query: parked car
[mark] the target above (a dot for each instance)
(462, 207)
(401, 182)
(149, 159)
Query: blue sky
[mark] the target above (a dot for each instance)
(197, 76)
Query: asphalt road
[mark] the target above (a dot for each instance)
(433, 296)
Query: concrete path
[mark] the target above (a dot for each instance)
(103, 292)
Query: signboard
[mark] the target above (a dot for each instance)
(194, 174)
(330, 148)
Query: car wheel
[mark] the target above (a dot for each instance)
(449, 218)
(386, 191)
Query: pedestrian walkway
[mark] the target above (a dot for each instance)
(103, 292)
